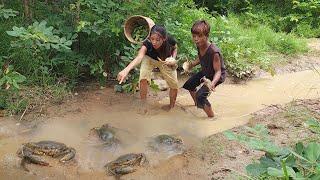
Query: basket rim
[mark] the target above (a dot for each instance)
(128, 24)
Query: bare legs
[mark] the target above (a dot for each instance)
(173, 96)
(144, 91)
(207, 109)
(193, 95)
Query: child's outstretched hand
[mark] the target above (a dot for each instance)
(170, 61)
(186, 67)
(213, 87)
(208, 83)
(122, 76)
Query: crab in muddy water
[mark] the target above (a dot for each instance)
(166, 143)
(125, 164)
(31, 152)
(106, 133)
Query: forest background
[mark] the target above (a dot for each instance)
(49, 47)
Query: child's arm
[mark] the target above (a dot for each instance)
(171, 61)
(194, 63)
(137, 60)
(123, 74)
(217, 68)
(175, 51)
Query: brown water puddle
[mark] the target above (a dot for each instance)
(232, 103)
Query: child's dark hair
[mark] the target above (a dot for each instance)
(201, 27)
(159, 30)
(165, 50)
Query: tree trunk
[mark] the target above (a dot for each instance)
(30, 9)
(77, 20)
(26, 6)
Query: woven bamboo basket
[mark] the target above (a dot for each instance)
(136, 21)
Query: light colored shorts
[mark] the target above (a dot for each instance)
(169, 74)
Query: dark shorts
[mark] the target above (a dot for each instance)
(202, 94)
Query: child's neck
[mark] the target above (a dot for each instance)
(204, 48)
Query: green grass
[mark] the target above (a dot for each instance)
(246, 47)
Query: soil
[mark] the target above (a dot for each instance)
(214, 157)
(228, 159)
(290, 64)
(285, 124)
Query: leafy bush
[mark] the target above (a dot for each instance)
(7, 13)
(300, 162)
(36, 46)
(10, 78)
(226, 6)
(305, 30)
(72, 39)
(290, 16)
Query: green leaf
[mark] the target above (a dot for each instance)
(313, 125)
(256, 169)
(268, 162)
(299, 148)
(230, 135)
(312, 152)
(2, 81)
(315, 177)
(279, 173)
(14, 83)
(275, 172)
(12, 33)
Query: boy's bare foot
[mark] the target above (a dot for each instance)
(142, 107)
(208, 110)
(142, 110)
(166, 107)
(214, 118)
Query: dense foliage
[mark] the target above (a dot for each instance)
(55, 42)
(300, 17)
(302, 161)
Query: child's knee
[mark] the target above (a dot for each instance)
(144, 81)
(201, 99)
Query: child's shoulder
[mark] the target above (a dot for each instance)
(215, 48)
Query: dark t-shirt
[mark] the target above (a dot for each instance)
(151, 52)
(206, 62)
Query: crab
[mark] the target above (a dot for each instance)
(207, 82)
(126, 164)
(30, 152)
(166, 143)
(106, 134)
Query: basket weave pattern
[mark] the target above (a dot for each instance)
(134, 22)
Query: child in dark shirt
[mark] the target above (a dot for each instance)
(212, 67)
(156, 51)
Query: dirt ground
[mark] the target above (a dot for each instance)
(289, 64)
(285, 123)
(227, 159)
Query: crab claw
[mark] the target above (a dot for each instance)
(70, 154)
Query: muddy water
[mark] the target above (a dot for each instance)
(232, 104)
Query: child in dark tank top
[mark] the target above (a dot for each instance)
(212, 67)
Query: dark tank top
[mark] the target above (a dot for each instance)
(206, 62)
(151, 52)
